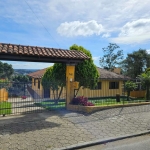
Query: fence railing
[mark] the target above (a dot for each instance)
(110, 92)
(115, 100)
(26, 97)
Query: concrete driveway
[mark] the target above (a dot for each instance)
(62, 129)
(20, 105)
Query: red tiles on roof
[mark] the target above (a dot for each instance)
(40, 51)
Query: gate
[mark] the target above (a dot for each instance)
(21, 97)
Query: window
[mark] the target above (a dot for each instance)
(38, 84)
(98, 87)
(34, 82)
(113, 85)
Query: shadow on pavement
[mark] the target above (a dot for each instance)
(24, 123)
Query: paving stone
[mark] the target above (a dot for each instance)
(54, 130)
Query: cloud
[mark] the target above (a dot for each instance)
(131, 39)
(77, 28)
(134, 32)
(135, 28)
(112, 14)
(96, 58)
(106, 35)
(28, 65)
(109, 13)
(71, 17)
(148, 51)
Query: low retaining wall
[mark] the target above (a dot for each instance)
(90, 109)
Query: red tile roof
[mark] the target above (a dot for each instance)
(39, 52)
(108, 75)
(38, 74)
(104, 74)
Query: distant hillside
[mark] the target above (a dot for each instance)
(24, 71)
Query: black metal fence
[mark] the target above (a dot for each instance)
(27, 97)
(111, 92)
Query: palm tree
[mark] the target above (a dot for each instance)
(145, 80)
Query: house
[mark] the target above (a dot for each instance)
(37, 91)
(110, 83)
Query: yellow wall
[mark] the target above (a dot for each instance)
(104, 91)
(137, 93)
(63, 94)
(3, 95)
(35, 87)
(40, 91)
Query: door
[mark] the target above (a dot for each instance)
(46, 93)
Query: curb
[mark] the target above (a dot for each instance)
(102, 141)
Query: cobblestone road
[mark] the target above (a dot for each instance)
(50, 130)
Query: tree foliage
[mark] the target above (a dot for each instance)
(6, 70)
(147, 70)
(47, 78)
(111, 57)
(135, 63)
(130, 86)
(85, 72)
(20, 78)
(52, 81)
(18, 85)
(145, 80)
(4, 83)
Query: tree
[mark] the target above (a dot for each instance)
(50, 80)
(130, 86)
(147, 70)
(4, 83)
(145, 80)
(6, 70)
(111, 58)
(135, 63)
(85, 72)
(20, 78)
(18, 86)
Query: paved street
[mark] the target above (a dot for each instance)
(135, 143)
(51, 129)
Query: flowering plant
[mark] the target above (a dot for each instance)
(23, 97)
(81, 100)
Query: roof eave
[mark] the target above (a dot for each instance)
(120, 79)
(33, 58)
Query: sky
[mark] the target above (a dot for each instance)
(92, 24)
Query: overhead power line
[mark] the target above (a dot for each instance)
(42, 23)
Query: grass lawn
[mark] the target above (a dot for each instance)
(108, 102)
(5, 108)
(51, 105)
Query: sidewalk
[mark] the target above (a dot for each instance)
(59, 130)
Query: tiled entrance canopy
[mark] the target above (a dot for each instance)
(39, 54)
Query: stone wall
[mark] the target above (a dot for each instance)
(90, 109)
